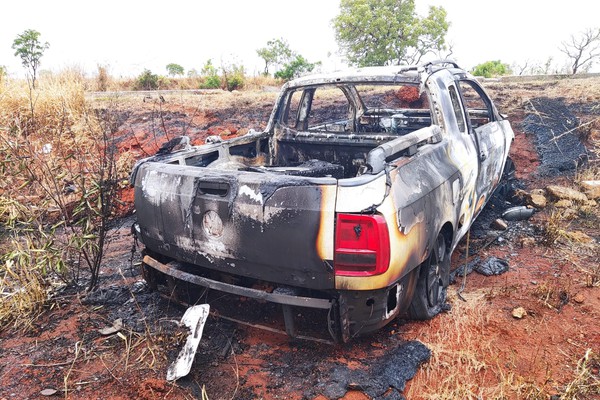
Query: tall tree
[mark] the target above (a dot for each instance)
(582, 49)
(28, 47)
(175, 69)
(276, 52)
(388, 32)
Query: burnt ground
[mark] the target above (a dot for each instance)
(66, 352)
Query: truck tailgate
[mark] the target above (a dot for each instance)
(266, 226)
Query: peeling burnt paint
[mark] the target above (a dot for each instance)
(403, 143)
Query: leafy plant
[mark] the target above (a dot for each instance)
(233, 76)
(28, 47)
(211, 76)
(276, 52)
(175, 70)
(147, 81)
(388, 32)
(295, 68)
(491, 69)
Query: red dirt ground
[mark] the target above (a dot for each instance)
(63, 350)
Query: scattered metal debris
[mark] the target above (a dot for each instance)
(518, 213)
(195, 319)
(492, 266)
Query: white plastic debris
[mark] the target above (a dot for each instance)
(194, 318)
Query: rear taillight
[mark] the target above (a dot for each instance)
(362, 245)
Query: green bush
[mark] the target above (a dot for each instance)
(211, 82)
(490, 69)
(233, 77)
(295, 68)
(147, 81)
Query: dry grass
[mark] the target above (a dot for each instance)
(51, 143)
(586, 383)
(455, 372)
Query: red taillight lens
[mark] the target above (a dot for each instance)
(362, 245)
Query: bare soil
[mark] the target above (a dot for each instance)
(475, 350)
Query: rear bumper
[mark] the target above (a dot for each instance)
(174, 269)
(350, 313)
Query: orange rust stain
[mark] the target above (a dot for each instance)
(325, 236)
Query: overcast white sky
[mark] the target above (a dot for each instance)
(131, 35)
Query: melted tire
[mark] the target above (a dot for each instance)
(430, 293)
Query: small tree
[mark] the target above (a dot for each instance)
(28, 47)
(211, 76)
(295, 68)
(175, 70)
(490, 69)
(582, 49)
(276, 52)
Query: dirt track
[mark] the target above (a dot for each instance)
(501, 356)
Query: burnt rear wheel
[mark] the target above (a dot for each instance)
(430, 292)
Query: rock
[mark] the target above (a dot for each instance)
(109, 330)
(591, 189)
(48, 392)
(564, 203)
(537, 200)
(579, 298)
(561, 192)
(527, 242)
(499, 225)
(519, 312)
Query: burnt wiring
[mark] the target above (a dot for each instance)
(388, 186)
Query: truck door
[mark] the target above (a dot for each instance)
(488, 129)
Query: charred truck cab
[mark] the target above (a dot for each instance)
(352, 199)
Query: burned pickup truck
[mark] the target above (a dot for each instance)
(350, 201)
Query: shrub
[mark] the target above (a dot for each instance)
(490, 69)
(102, 79)
(211, 82)
(147, 81)
(295, 68)
(233, 77)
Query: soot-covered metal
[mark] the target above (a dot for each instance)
(407, 156)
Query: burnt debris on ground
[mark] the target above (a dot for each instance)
(555, 128)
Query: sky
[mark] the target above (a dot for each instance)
(129, 36)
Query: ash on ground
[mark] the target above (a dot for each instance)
(555, 128)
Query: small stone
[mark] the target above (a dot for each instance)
(564, 203)
(591, 189)
(561, 192)
(519, 312)
(537, 200)
(48, 392)
(579, 298)
(533, 282)
(499, 225)
(527, 242)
